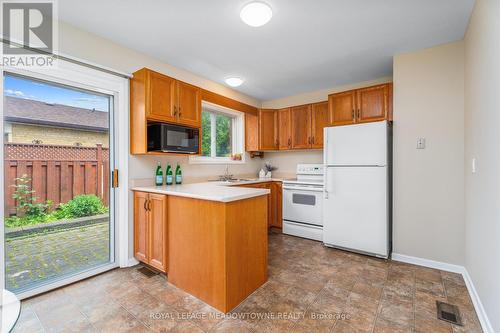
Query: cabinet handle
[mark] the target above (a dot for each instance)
(149, 205)
(175, 110)
(277, 143)
(289, 142)
(359, 114)
(312, 140)
(146, 204)
(353, 114)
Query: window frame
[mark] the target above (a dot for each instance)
(237, 136)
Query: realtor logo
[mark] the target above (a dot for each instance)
(29, 34)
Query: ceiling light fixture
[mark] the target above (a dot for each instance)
(234, 81)
(256, 13)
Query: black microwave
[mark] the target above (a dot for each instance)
(173, 139)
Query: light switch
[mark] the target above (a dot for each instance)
(473, 165)
(421, 143)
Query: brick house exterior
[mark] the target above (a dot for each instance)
(29, 121)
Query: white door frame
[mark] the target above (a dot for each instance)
(90, 79)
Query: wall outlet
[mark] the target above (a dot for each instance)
(473, 165)
(421, 143)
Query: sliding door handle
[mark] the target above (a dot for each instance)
(115, 181)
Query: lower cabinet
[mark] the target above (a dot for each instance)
(274, 202)
(150, 229)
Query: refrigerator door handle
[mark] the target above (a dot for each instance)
(328, 188)
(325, 179)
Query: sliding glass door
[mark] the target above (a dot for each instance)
(58, 195)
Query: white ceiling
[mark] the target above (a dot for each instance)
(308, 45)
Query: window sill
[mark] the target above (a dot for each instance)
(209, 160)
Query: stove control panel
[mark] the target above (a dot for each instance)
(310, 169)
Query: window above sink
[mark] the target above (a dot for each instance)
(222, 136)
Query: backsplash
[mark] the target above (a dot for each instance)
(142, 167)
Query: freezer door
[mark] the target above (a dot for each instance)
(362, 144)
(355, 210)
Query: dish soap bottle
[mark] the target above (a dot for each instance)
(159, 175)
(178, 174)
(169, 175)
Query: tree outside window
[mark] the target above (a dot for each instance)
(217, 131)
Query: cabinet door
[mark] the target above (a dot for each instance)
(320, 120)
(342, 108)
(141, 227)
(268, 129)
(251, 132)
(285, 129)
(372, 103)
(301, 126)
(161, 97)
(277, 205)
(158, 241)
(188, 104)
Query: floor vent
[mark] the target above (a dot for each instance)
(448, 312)
(146, 271)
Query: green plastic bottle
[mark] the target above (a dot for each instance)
(169, 175)
(178, 174)
(159, 175)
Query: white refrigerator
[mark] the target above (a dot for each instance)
(357, 193)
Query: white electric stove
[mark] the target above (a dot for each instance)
(303, 203)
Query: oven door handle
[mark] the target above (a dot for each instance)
(297, 188)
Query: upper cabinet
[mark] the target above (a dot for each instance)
(268, 129)
(284, 129)
(342, 108)
(372, 103)
(319, 119)
(361, 105)
(155, 97)
(188, 104)
(251, 132)
(161, 101)
(301, 126)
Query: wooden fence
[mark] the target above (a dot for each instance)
(57, 173)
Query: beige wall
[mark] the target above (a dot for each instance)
(482, 141)
(428, 183)
(22, 133)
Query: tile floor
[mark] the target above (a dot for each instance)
(310, 289)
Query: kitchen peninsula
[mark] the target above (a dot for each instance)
(210, 239)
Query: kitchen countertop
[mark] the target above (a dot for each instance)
(222, 191)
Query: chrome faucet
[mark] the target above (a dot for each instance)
(226, 176)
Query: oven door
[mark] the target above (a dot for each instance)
(303, 204)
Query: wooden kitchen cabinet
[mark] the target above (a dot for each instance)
(188, 104)
(361, 105)
(268, 129)
(155, 97)
(319, 120)
(274, 202)
(372, 103)
(251, 132)
(141, 227)
(150, 229)
(301, 126)
(284, 129)
(161, 97)
(342, 107)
